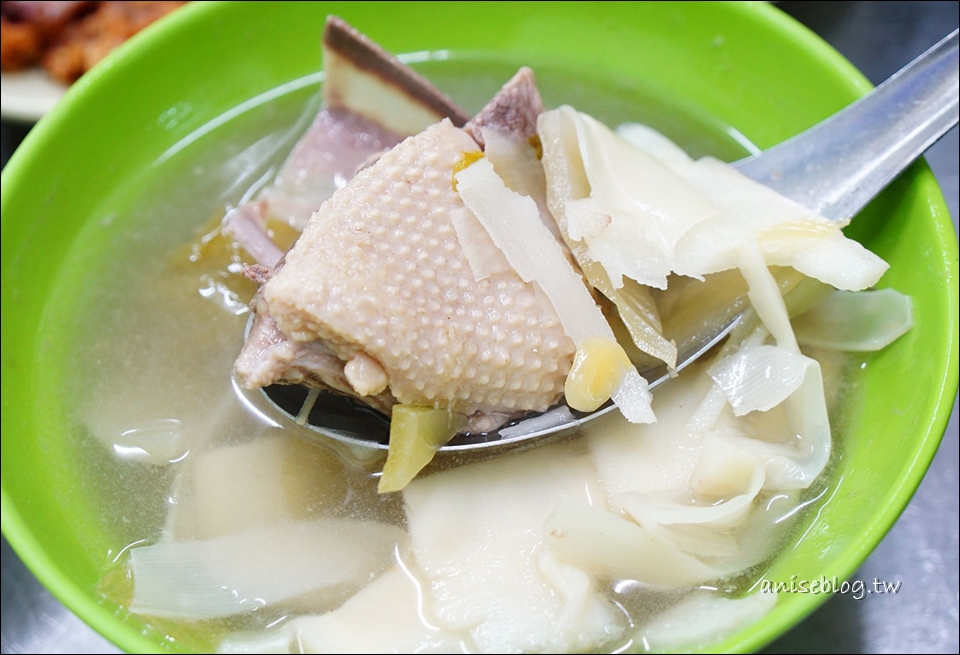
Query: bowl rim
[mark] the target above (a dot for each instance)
(16, 529)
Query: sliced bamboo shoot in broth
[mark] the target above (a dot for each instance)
(663, 516)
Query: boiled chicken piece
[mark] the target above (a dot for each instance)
(380, 278)
(380, 298)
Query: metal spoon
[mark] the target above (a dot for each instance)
(834, 168)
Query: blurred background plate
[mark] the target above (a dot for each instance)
(27, 96)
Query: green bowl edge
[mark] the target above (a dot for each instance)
(30, 549)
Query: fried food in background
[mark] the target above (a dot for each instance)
(68, 38)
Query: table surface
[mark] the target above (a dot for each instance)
(921, 551)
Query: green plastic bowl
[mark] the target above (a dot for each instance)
(745, 66)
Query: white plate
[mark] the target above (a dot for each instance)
(28, 95)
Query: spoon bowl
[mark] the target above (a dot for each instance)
(834, 168)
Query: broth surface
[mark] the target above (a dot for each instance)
(157, 314)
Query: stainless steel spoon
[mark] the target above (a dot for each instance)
(834, 168)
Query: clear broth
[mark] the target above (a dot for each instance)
(150, 335)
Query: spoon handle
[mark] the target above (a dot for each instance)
(836, 167)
